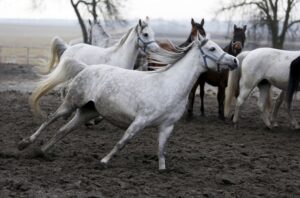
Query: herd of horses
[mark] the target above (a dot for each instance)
(99, 81)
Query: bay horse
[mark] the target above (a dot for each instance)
(169, 46)
(218, 79)
(262, 68)
(113, 92)
(123, 54)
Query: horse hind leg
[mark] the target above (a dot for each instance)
(244, 93)
(136, 126)
(63, 110)
(264, 102)
(275, 109)
(82, 115)
(164, 134)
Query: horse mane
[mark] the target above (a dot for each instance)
(168, 58)
(123, 39)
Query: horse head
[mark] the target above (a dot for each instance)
(146, 36)
(213, 56)
(238, 40)
(198, 27)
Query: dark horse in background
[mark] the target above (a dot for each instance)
(169, 46)
(218, 79)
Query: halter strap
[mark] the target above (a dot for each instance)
(144, 43)
(206, 56)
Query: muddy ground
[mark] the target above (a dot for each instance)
(206, 157)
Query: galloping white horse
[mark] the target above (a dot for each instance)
(123, 54)
(262, 67)
(159, 99)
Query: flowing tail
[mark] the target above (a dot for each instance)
(65, 71)
(232, 89)
(58, 46)
(294, 79)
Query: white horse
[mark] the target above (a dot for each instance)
(133, 99)
(98, 36)
(123, 54)
(262, 67)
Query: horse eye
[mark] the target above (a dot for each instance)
(212, 49)
(145, 34)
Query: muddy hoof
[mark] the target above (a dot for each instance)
(101, 166)
(98, 120)
(221, 117)
(189, 116)
(24, 144)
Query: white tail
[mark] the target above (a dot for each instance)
(232, 89)
(66, 70)
(58, 46)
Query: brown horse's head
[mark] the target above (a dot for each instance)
(197, 28)
(238, 40)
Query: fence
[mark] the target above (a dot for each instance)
(23, 54)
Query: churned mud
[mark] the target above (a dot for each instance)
(206, 157)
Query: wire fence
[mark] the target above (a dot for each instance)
(23, 54)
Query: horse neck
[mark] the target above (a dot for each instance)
(128, 51)
(228, 48)
(98, 37)
(185, 72)
(187, 42)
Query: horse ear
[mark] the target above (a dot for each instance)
(202, 22)
(140, 22)
(192, 22)
(245, 27)
(234, 27)
(147, 19)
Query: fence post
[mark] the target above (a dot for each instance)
(27, 55)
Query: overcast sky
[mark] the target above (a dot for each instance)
(61, 9)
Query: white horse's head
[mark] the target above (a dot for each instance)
(145, 36)
(213, 57)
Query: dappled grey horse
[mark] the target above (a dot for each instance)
(134, 99)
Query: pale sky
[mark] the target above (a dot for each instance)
(61, 9)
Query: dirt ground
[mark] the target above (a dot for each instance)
(206, 157)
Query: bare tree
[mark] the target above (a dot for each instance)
(107, 9)
(277, 15)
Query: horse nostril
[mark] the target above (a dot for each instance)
(235, 61)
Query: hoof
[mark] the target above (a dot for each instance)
(235, 125)
(189, 116)
(24, 144)
(98, 120)
(221, 117)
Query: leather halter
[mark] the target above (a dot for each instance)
(206, 56)
(140, 39)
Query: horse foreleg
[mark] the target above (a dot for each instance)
(202, 92)
(192, 99)
(63, 110)
(276, 106)
(82, 115)
(136, 126)
(264, 102)
(164, 134)
(221, 98)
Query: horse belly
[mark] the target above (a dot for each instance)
(119, 114)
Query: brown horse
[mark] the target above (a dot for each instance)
(167, 45)
(218, 79)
